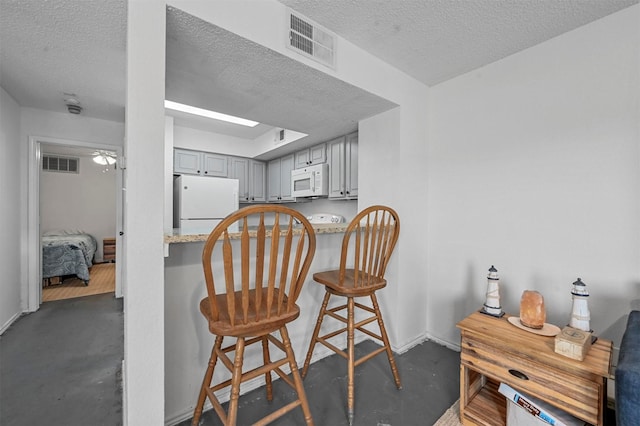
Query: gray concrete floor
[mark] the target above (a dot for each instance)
(430, 384)
(60, 366)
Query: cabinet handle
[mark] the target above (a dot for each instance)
(205, 172)
(198, 171)
(518, 374)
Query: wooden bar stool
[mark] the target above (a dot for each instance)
(252, 294)
(366, 249)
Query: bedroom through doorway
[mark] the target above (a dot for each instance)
(77, 221)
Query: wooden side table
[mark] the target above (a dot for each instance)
(109, 249)
(494, 351)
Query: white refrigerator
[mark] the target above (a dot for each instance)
(200, 203)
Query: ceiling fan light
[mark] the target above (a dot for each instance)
(104, 160)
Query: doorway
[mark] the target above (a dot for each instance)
(81, 196)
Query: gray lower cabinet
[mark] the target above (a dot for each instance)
(279, 179)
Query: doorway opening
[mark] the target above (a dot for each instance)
(75, 218)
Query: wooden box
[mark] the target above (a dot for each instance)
(109, 250)
(573, 343)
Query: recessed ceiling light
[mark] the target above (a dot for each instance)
(209, 114)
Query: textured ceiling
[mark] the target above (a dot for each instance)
(48, 48)
(215, 69)
(52, 47)
(435, 40)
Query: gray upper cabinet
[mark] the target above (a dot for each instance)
(215, 165)
(186, 161)
(315, 155)
(343, 170)
(279, 182)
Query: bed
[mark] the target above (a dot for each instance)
(67, 253)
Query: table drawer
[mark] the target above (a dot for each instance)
(575, 395)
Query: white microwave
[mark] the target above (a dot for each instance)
(311, 181)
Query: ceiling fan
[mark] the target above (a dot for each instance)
(104, 158)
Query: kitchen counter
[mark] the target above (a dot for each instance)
(187, 338)
(177, 236)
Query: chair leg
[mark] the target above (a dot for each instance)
(236, 378)
(316, 331)
(351, 355)
(267, 359)
(302, 396)
(385, 339)
(206, 382)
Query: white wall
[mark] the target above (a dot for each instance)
(10, 218)
(200, 140)
(533, 167)
(145, 181)
(38, 122)
(84, 201)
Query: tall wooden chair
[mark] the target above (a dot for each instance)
(366, 249)
(252, 286)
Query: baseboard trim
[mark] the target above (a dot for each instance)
(453, 346)
(11, 320)
(423, 338)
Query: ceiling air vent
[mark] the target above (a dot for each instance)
(311, 40)
(57, 163)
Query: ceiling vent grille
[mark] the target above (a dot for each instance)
(309, 39)
(57, 163)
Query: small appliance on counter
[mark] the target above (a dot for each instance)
(320, 218)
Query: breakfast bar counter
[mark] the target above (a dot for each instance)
(177, 236)
(187, 338)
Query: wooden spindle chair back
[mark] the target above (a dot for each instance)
(367, 245)
(254, 272)
(261, 279)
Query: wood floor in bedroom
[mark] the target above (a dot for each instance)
(102, 279)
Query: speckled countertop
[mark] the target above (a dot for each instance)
(177, 236)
